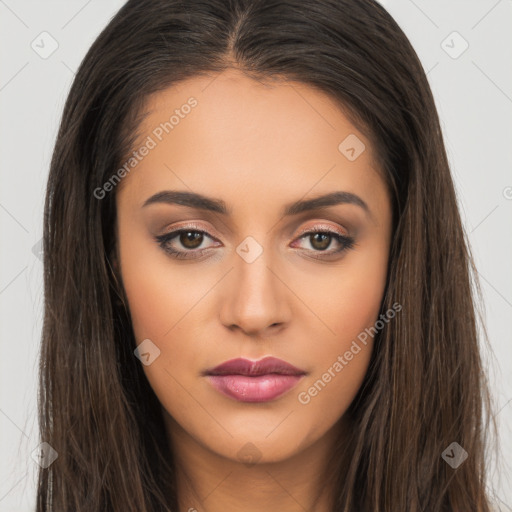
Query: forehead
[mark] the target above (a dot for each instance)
(229, 135)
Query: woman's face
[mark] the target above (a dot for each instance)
(248, 278)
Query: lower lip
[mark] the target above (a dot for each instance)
(262, 388)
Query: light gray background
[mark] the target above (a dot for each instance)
(473, 93)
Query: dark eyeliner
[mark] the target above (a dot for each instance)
(163, 241)
(345, 242)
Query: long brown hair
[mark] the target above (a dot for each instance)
(425, 387)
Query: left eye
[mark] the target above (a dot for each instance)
(192, 239)
(322, 240)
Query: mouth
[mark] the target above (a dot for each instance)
(254, 381)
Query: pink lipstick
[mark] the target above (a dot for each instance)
(254, 381)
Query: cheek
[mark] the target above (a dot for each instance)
(159, 295)
(164, 303)
(326, 395)
(357, 305)
(340, 363)
(350, 307)
(346, 299)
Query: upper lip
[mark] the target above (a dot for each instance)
(241, 366)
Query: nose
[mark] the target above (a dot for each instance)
(256, 298)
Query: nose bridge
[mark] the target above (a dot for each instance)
(256, 297)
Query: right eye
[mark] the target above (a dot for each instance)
(189, 239)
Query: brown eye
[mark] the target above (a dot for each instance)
(184, 243)
(191, 239)
(320, 241)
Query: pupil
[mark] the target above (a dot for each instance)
(191, 239)
(324, 243)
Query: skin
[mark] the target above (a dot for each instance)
(258, 148)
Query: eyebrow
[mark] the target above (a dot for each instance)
(201, 202)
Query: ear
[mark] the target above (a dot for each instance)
(112, 258)
(113, 263)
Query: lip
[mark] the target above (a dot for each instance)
(254, 381)
(241, 366)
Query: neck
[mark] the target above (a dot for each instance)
(210, 482)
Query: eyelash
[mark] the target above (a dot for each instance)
(346, 242)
